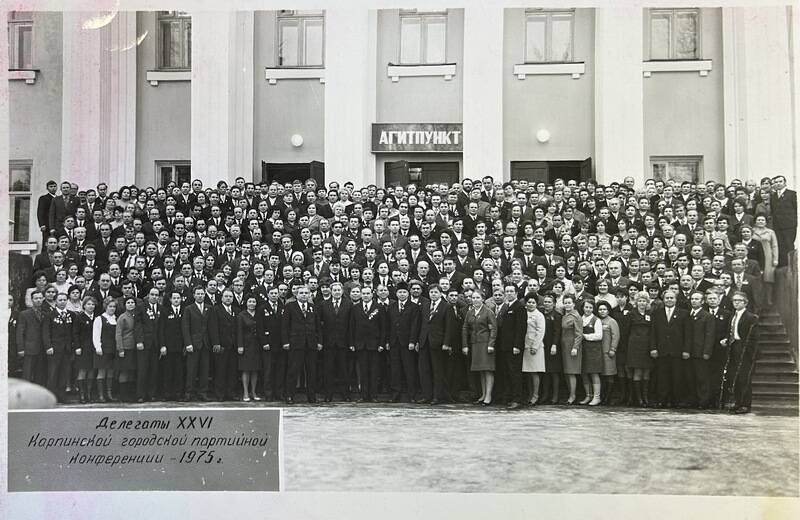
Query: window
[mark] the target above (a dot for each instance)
(20, 40)
(678, 169)
(173, 171)
(175, 40)
(549, 36)
(423, 37)
(674, 34)
(301, 38)
(19, 191)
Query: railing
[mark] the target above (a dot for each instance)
(786, 300)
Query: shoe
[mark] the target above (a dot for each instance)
(256, 398)
(140, 400)
(595, 401)
(533, 401)
(477, 401)
(513, 405)
(423, 401)
(289, 400)
(571, 401)
(347, 399)
(245, 399)
(395, 398)
(360, 400)
(484, 403)
(328, 398)
(434, 402)
(741, 410)
(205, 398)
(587, 399)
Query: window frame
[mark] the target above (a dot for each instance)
(161, 16)
(301, 17)
(672, 33)
(548, 13)
(14, 26)
(423, 34)
(13, 195)
(174, 164)
(667, 159)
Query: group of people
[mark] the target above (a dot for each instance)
(494, 293)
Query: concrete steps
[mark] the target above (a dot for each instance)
(776, 385)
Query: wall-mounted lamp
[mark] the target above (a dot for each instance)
(297, 140)
(543, 135)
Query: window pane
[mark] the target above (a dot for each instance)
(171, 44)
(184, 173)
(659, 36)
(166, 175)
(313, 43)
(410, 40)
(535, 39)
(659, 171)
(24, 47)
(436, 39)
(686, 35)
(287, 46)
(187, 44)
(684, 171)
(561, 38)
(19, 179)
(21, 207)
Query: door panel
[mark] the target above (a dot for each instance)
(437, 172)
(531, 171)
(586, 170)
(395, 173)
(318, 172)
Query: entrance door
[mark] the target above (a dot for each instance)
(437, 172)
(289, 172)
(549, 171)
(531, 171)
(395, 173)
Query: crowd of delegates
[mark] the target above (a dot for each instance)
(512, 294)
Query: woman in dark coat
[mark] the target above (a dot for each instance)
(571, 344)
(640, 343)
(478, 336)
(84, 348)
(104, 338)
(130, 339)
(553, 365)
(249, 348)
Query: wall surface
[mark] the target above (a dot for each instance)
(164, 121)
(558, 103)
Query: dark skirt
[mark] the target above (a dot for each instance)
(104, 362)
(592, 357)
(250, 360)
(86, 360)
(553, 364)
(125, 363)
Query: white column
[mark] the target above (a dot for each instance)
(760, 133)
(222, 96)
(98, 127)
(619, 95)
(483, 92)
(350, 102)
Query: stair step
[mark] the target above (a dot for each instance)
(775, 356)
(769, 335)
(775, 396)
(776, 385)
(780, 364)
(775, 377)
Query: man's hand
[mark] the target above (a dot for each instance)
(99, 351)
(240, 350)
(285, 346)
(612, 353)
(140, 346)
(416, 347)
(553, 350)
(122, 353)
(410, 346)
(654, 354)
(216, 349)
(685, 355)
(380, 348)
(21, 353)
(465, 351)
(78, 351)
(490, 350)
(163, 351)
(706, 357)
(573, 352)
(189, 349)
(515, 351)
(724, 342)
(352, 348)
(265, 347)
(319, 347)
(42, 228)
(445, 348)
(50, 351)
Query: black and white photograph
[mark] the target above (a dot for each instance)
(468, 251)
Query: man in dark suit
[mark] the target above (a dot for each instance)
(335, 320)
(58, 340)
(403, 326)
(60, 207)
(273, 358)
(435, 329)
(222, 334)
(194, 324)
(742, 344)
(147, 358)
(170, 337)
(783, 204)
(721, 318)
(302, 339)
(368, 336)
(43, 210)
(670, 337)
(698, 350)
(29, 340)
(512, 324)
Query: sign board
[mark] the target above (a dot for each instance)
(417, 137)
(187, 449)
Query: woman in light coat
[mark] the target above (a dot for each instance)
(533, 354)
(478, 336)
(769, 243)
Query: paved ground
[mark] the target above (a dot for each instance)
(541, 450)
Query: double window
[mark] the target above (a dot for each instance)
(678, 169)
(549, 36)
(674, 34)
(423, 37)
(20, 40)
(175, 40)
(173, 171)
(19, 191)
(301, 38)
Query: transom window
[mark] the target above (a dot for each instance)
(301, 38)
(674, 34)
(173, 171)
(175, 39)
(20, 40)
(423, 37)
(549, 36)
(678, 169)
(19, 191)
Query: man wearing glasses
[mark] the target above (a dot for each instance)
(742, 341)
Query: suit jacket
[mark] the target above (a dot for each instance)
(57, 333)
(435, 329)
(149, 320)
(747, 329)
(170, 330)
(43, 210)
(336, 327)
(59, 209)
(222, 326)
(29, 331)
(195, 326)
(368, 329)
(722, 325)
(671, 337)
(700, 334)
(403, 327)
(784, 210)
(512, 323)
(301, 332)
(271, 323)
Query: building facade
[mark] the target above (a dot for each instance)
(393, 96)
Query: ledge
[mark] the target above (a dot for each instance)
(575, 69)
(701, 66)
(273, 74)
(154, 76)
(27, 75)
(447, 71)
(24, 248)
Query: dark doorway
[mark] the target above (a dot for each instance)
(549, 171)
(289, 172)
(404, 172)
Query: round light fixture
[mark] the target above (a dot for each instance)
(297, 140)
(543, 135)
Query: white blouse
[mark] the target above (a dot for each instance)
(597, 335)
